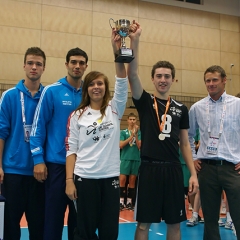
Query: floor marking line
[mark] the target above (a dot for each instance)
(124, 219)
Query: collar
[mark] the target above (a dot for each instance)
(221, 99)
(27, 90)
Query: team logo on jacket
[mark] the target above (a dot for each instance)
(67, 103)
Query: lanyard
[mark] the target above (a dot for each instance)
(129, 132)
(23, 108)
(161, 126)
(222, 117)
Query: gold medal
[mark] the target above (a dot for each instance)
(161, 136)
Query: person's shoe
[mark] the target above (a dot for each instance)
(192, 222)
(200, 220)
(129, 206)
(121, 207)
(229, 225)
(221, 223)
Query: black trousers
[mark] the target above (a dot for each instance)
(97, 208)
(24, 194)
(212, 180)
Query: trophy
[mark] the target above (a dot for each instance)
(125, 55)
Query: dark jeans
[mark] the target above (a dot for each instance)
(24, 194)
(212, 180)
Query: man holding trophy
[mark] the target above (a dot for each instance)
(164, 122)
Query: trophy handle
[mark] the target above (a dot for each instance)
(110, 22)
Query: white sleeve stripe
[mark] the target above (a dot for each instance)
(3, 95)
(37, 111)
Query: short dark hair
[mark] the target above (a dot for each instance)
(76, 52)
(35, 51)
(131, 115)
(163, 64)
(238, 95)
(215, 68)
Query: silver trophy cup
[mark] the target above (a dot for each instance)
(125, 55)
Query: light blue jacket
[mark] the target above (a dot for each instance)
(17, 157)
(48, 134)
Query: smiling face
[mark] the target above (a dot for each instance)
(162, 80)
(34, 67)
(96, 90)
(215, 84)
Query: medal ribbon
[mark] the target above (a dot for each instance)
(161, 126)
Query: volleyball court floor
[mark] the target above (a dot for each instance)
(127, 227)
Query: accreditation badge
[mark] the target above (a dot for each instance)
(27, 130)
(212, 146)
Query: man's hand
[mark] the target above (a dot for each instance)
(197, 165)
(40, 172)
(1, 175)
(135, 30)
(116, 40)
(136, 127)
(193, 185)
(237, 167)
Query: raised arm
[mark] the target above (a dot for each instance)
(116, 43)
(134, 80)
